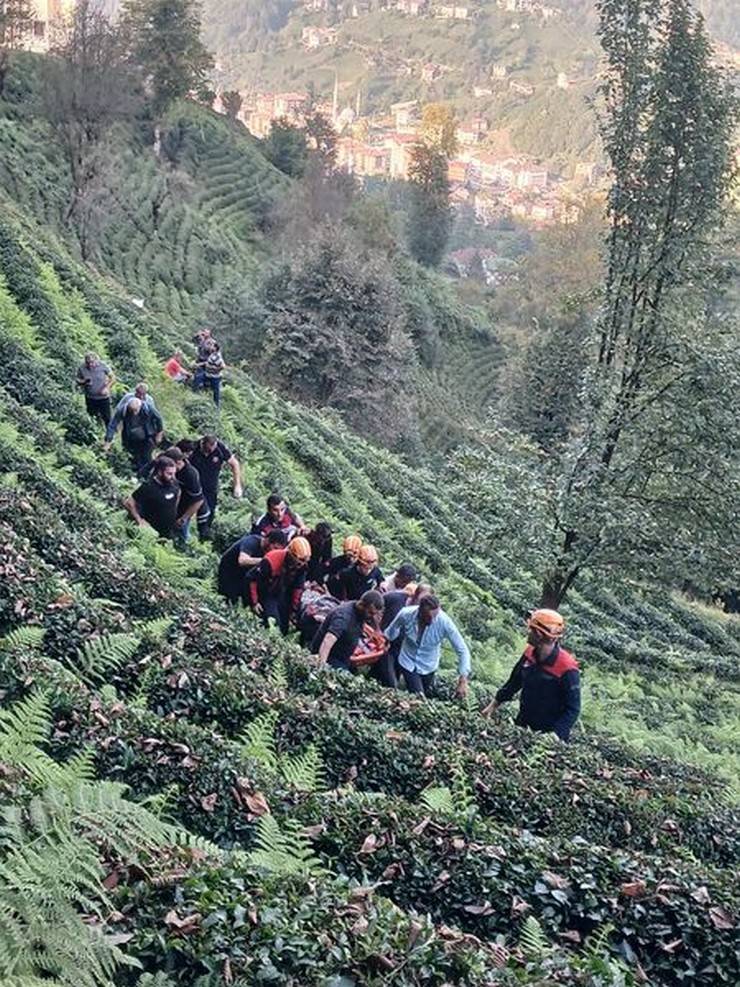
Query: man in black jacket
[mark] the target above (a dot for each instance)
(547, 676)
(338, 636)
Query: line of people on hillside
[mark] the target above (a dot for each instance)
(345, 611)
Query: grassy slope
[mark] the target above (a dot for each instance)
(74, 567)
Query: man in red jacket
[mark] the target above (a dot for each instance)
(548, 678)
(276, 584)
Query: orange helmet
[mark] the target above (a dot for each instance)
(300, 549)
(368, 555)
(352, 545)
(548, 622)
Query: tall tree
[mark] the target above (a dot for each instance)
(286, 147)
(163, 38)
(439, 128)
(322, 140)
(16, 25)
(430, 215)
(648, 478)
(88, 88)
(231, 101)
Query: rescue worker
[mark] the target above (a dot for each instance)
(424, 627)
(239, 558)
(279, 515)
(338, 636)
(350, 550)
(320, 540)
(155, 502)
(141, 429)
(363, 575)
(548, 678)
(208, 457)
(276, 584)
(96, 379)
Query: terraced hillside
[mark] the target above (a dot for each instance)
(338, 833)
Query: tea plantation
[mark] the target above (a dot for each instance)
(188, 800)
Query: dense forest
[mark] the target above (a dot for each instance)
(236, 812)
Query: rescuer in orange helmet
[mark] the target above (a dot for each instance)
(360, 577)
(275, 585)
(350, 550)
(548, 678)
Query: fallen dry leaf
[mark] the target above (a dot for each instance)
(257, 804)
(634, 889)
(721, 918)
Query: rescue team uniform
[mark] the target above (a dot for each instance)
(209, 466)
(232, 582)
(550, 691)
(336, 566)
(276, 587)
(351, 583)
(345, 623)
(320, 557)
(157, 503)
(267, 523)
(421, 647)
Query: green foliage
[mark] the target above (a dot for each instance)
(286, 147)
(283, 851)
(532, 940)
(430, 218)
(99, 657)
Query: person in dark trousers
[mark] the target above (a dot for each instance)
(387, 671)
(338, 636)
(548, 678)
(141, 393)
(239, 558)
(202, 340)
(140, 428)
(208, 457)
(214, 370)
(403, 575)
(279, 516)
(320, 540)
(424, 628)
(276, 584)
(350, 550)
(155, 502)
(360, 577)
(96, 379)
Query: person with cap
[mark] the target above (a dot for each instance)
(239, 558)
(424, 627)
(155, 502)
(363, 575)
(548, 678)
(96, 379)
(320, 540)
(208, 456)
(350, 550)
(275, 585)
(403, 575)
(141, 429)
(338, 636)
(279, 516)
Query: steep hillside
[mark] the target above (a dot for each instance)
(339, 833)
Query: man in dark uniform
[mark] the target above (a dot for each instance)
(155, 502)
(239, 558)
(548, 678)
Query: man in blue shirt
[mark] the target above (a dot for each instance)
(424, 628)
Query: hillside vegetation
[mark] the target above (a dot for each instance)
(238, 815)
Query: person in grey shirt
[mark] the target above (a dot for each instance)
(96, 379)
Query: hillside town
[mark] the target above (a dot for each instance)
(498, 186)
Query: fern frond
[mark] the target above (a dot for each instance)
(438, 800)
(102, 655)
(154, 631)
(532, 940)
(283, 851)
(278, 675)
(24, 726)
(305, 771)
(27, 637)
(259, 741)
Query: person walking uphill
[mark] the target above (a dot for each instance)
(141, 427)
(96, 379)
(424, 628)
(239, 558)
(275, 585)
(547, 676)
(208, 457)
(156, 501)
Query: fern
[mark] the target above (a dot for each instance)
(102, 655)
(24, 726)
(29, 637)
(305, 771)
(438, 800)
(259, 741)
(154, 631)
(278, 675)
(283, 851)
(532, 940)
